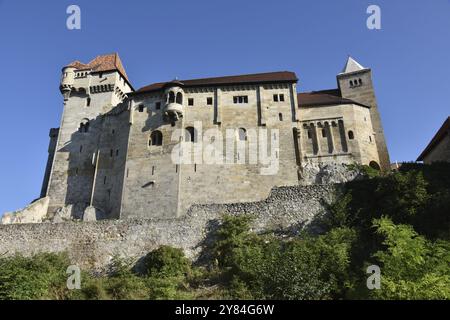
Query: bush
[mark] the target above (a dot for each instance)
(42, 276)
(412, 267)
(265, 267)
(167, 262)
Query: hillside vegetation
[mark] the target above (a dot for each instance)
(399, 222)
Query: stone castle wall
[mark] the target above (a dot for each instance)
(93, 244)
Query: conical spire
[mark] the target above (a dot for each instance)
(352, 65)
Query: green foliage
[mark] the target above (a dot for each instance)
(167, 262)
(40, 277)
(265, 267)
(123, 284)
(412, 267)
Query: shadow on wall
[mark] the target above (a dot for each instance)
(94, 161)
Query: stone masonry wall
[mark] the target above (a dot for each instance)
(93, 244)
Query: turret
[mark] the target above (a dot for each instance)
(67, 79)
(174, 100)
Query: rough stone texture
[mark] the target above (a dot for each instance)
(34, 213)
(313, 173)
(93, 244)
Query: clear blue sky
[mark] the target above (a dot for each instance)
(160, 40)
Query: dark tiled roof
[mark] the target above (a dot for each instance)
(442, 132)
(323, 98)
(269, 77)
(102, 63)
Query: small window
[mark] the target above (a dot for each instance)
(370, 138)
(190, 101)
(100, 75)
(104, 180)
(84, 126)
(158, 105)
(275, 97)
(309, 134)
(141, 108)
(111, 152)
(281, 97)
(280, 116)
(242, 134)
(190, 135)
(81, 149)
(360, 82)
(156, 138)
(240, 99)
(324, 133)
(117, 152)
(351, 83)
(179, 98)
(209, 101)
(88, 102)
(171, 97)
(351, 135)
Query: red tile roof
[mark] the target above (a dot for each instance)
(106, 62)
(442, 132)
(323, 98)
(269, 77)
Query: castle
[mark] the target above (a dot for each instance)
(114, 149)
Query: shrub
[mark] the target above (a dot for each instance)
(42, 276)
(412, 267)
(167, 262)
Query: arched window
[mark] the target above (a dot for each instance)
(242, 134)
(351, 83)
(360, 81)
(84, 126)
(190, 134)
(280, 116)
(171, 97)
(351, 136)
(179, 98)
(156, 138)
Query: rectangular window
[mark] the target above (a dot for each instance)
(141, 108)
(190, 101)
(158, 105)
(281, 97)
(275, 97)
(88, 102)
(209, 101)
(240, 99)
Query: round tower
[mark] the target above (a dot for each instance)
(67, 79)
